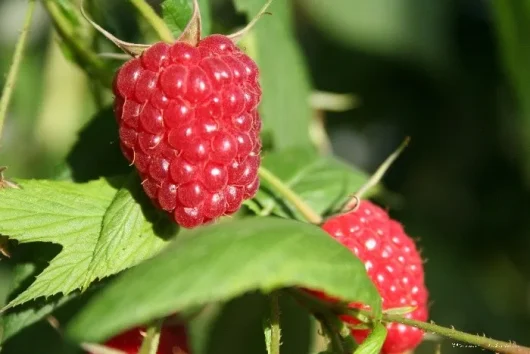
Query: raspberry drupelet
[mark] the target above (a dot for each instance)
(188, 121)
(392, 263)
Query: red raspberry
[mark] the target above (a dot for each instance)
(392, 263)
(173, 340)
(188, 121)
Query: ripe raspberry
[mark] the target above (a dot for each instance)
(188, 121)
(173, 340)
(392, 263)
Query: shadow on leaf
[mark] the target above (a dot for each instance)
(97, 151)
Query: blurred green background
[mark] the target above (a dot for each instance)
(452, 74)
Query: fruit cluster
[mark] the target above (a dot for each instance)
(188, 121)
(392, 263)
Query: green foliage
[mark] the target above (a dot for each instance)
(218, 328)
(89, 161)
(90, 249)
(324, 182)
(374, 342)
(100, 225)
(285, 82)
(513, 26)
(240, 256)
(176, 14)
(15, 321)
(94, 221)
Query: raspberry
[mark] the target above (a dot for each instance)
(392, 263)
(173, 340)
(188, 121)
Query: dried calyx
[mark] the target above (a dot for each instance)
(191, 34)
(355, 200)
(133, 49)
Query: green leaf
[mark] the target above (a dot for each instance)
(6, 277)
(374, 342)
(176, 14)
(284, 78)
(40, 338)
(220, 262)
(71, 12)
(384, 27)
(16, 319)
(324, 182)
(13, 322)
(100, 225)
(512, 19)
(235, 328)
(206, 17)
(97, 150)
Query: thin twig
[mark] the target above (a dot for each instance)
(15, 65)
(483, 342)
(375, 178)
(154, 20)
(94, 65)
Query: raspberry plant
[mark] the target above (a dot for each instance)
(198, 193)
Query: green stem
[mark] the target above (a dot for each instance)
(331, 333)
(326, 313)
(152, 339)
(154, 20)
(275, 324)
(318, 306)
(486, 343)
(15, 65)
(100, 349)
(93, 64)
(304, 209)
(95, 87)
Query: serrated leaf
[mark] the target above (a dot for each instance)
(12, 323)
(220, 262)
(323, 182)
(284, 78)
(374, 342)
(100, 225)
(176, 14)
(18, 320)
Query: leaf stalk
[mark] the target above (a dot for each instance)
(149, 14)
(307, 212)
(480, 341)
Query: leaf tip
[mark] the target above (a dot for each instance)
(236, 37)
